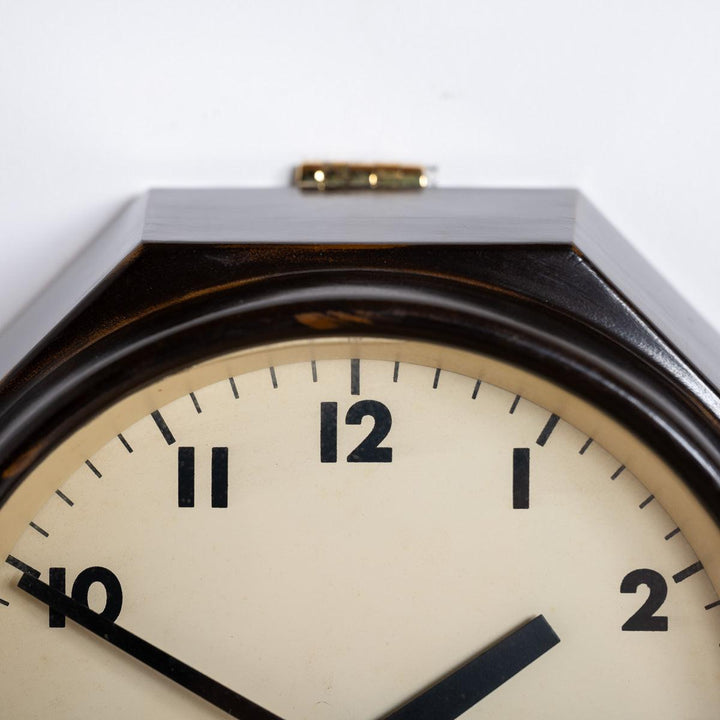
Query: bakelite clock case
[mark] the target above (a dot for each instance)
(534, 278)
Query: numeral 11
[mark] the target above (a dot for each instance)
(218, 480)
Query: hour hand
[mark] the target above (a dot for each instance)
(461, 689)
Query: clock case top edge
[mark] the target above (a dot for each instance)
(555, 217)
(548, 250)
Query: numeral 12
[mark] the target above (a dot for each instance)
(369, 449)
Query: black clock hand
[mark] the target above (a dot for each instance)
(454, 694)
(213, 692)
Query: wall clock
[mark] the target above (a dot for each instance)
(360, 455)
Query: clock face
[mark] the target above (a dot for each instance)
(331, 529)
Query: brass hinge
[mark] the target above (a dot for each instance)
(359, 176)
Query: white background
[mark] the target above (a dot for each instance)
(100, 100)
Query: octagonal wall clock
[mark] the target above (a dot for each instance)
(282, 454)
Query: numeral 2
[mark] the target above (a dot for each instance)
(81, 589)
(645, 619)
(369, 449)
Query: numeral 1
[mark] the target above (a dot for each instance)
(521, 478)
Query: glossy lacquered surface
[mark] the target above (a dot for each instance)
(543, 308)
(561, 218)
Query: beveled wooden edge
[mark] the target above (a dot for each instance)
(456, 215)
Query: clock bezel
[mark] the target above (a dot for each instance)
(342, 291)
(699, 528)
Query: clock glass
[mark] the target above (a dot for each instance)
(362, 529)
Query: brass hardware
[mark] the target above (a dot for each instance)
(356, 176)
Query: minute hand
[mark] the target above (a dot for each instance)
(454, 694)
(213, 692)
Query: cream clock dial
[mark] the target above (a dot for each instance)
(339, 536)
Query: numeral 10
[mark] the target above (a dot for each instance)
(81, 590)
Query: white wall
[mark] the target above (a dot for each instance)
(100, 100)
